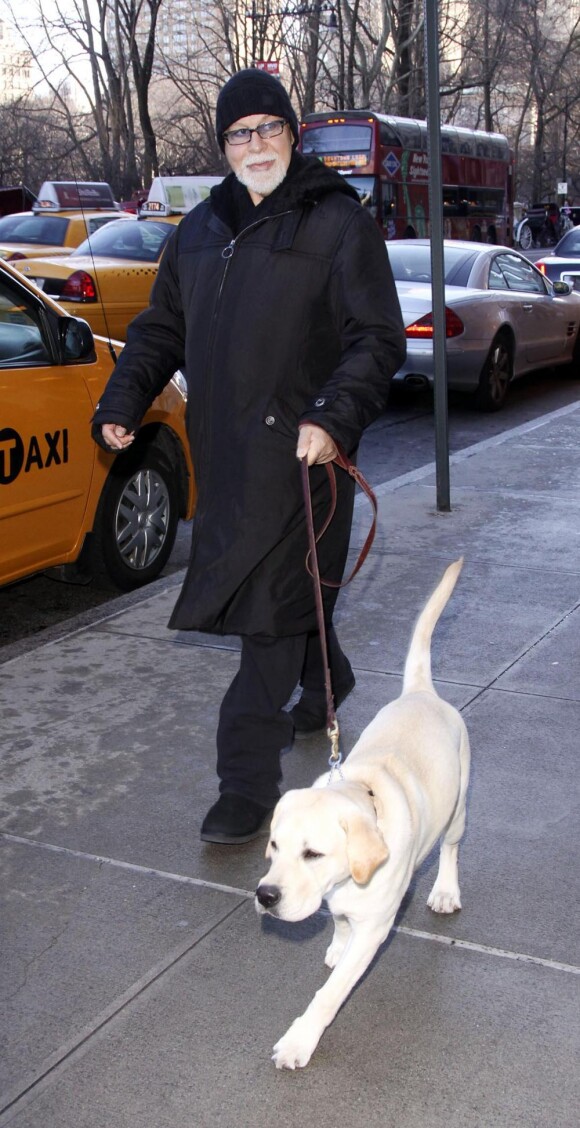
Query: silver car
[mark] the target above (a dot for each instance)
(503, 318)
(563, 262)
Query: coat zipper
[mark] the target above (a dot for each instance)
(227, 255)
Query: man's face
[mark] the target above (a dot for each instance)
(260, 164)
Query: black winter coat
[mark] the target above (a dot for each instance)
(295, 318)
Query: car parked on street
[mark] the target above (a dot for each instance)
(108, 279)
(176, 195)
(61, 218)
(563, 263)
(503, 318)
(65, 504)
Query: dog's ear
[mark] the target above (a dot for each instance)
(366, 849)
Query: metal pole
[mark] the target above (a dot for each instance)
(437, 263)
(565, 154)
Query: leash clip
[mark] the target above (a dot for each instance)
(335, 758)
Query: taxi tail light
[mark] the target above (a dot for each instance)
(15, 255)
(79, 287)
(541, 267)
(422, 330)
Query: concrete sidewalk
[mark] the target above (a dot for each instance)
(139, 987)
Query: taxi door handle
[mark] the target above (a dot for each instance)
(527, 307)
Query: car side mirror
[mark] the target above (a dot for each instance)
(561, 288)
(77, 339)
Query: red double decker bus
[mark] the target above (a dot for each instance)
(386, 160)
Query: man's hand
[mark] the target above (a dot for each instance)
(116, 436)
(316, 444)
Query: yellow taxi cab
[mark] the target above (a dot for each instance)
(175, 195)
(62, 217)
(108, 278)
(65, 504)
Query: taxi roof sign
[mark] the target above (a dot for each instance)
(74, 195)
(174, 195)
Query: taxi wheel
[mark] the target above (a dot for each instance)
(137, 519)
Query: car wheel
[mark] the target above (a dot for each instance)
(525, 237)
(496, 376)
(137, 519)
(573, 369)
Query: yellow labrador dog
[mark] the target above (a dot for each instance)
(356, 841)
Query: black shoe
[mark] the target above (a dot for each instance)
(309, 714)
(233, 819)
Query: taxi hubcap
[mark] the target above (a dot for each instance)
(142, 519)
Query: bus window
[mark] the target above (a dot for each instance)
(484, 201)
(410, 132)
(388, 202)
(368, 190)
(465, 140)
(388, 135)
(451, 201)
(449, 140)
(337, 139)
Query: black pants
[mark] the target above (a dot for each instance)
(253, 726)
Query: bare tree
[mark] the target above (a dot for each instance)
(103, 51)
(35, 141)
(135, 24)
(550, 37)
(138, 105)
(481, 49)
(408, 59)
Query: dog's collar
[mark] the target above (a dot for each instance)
(371, 795)
(368, 791)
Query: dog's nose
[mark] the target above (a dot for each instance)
(268, 895)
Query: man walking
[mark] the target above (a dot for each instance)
(276, 297)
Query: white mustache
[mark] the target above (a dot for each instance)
(250, 163)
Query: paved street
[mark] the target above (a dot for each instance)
(140, 989)
(403, 439)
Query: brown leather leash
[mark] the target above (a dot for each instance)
(313, 570)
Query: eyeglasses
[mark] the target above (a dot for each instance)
(266, 131)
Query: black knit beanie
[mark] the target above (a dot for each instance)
(248, 92)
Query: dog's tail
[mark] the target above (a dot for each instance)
(418, 665)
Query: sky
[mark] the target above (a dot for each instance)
(33, 31)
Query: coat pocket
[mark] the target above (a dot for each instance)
(282, 419)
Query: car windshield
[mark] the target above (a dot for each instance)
(137, 240)
(413, 263)
(570, 243)
(46, 230)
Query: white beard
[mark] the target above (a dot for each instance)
(262, 183)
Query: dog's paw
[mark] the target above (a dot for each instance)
(444, 900)
(334, 952)
(296, 1047)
